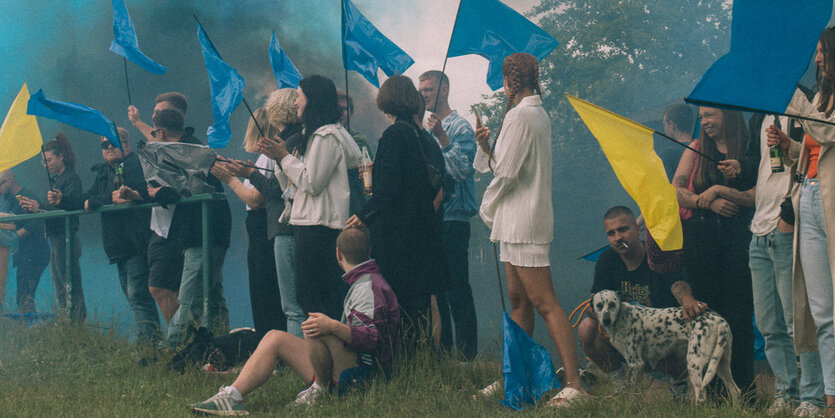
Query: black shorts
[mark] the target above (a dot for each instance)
(165, 263)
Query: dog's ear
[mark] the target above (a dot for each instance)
(621, 295)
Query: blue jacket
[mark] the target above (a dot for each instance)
(459, 187)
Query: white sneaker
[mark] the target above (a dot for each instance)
(490, 390)
(780, 406)
(808, 409)
(309, 395)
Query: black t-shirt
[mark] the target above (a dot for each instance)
(642, 285)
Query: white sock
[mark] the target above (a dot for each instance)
(235, 394)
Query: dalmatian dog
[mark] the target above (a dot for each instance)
(645, 335)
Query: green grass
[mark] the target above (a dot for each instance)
(63, 370)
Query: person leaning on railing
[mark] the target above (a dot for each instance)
(59, 160)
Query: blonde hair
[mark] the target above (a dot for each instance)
(253, 135)
(281, 107)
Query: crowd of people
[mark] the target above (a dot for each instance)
(343, 279)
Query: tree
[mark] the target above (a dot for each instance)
(624, 55)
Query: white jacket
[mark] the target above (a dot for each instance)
(322, 193)
(517, 203)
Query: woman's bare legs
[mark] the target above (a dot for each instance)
(538, 292)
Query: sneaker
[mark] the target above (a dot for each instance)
(779, 406)
(309, 395)
(490, 390)
(808, 409)
(221, 404)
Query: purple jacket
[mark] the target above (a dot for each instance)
(373, 314)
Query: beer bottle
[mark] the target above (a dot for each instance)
(775, 153)
(365, 172)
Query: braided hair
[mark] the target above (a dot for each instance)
(520, 70)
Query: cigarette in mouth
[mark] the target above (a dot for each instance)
(623, 244)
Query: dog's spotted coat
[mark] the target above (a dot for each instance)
(645, 335)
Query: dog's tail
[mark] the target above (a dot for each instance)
(716, 341)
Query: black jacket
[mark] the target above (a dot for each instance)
(125, 233)
(405, 229)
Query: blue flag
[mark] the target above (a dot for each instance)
(365, 49)
(227, 91)
(772, 43)
(493, 30)
(595, 255)
(124, 40)
(286, 74)
(526, 367)
(80, 116)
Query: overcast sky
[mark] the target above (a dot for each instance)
(426, 39)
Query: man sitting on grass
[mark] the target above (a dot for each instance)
(363, 341)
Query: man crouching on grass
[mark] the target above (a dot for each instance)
(363, 341)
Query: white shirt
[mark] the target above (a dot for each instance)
(772, 188)
(322, 194)
(517, 203)
(268, 165)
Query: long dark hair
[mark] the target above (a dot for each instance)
(735, 134)
(825, 84)
(61, 146)
(322, 105)
(521, 70)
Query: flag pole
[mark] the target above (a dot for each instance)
(687, 146)
(243, 99)
(48, 177)
(127, 82)
(446, 56)
(345, 67)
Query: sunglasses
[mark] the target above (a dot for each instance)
(107, 145)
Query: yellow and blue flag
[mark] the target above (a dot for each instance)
(493, 30)
(772, 43)
(20, 137)
(227, 88)
(73, 114)
(286, 74)
(125, 43)
(628, 147)
(365, 49)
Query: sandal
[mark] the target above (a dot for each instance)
(567, 397)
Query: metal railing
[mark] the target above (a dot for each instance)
(204, 200)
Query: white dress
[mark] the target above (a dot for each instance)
(517, 204)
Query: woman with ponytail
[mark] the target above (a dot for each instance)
(517, 208)
(59, 159)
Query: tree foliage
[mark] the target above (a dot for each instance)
(624, 55)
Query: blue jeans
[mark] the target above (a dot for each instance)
(133, 276)
(188, 316)
(770, 260)
(814, 257)
(458, 300)
(285, 268)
